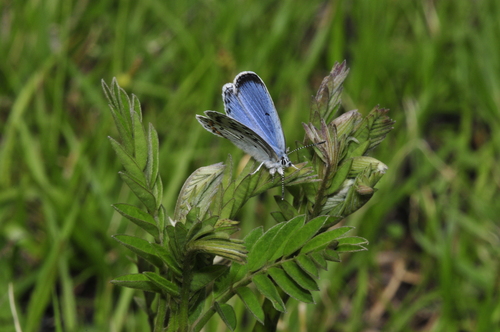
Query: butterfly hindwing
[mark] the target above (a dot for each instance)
(240, 135)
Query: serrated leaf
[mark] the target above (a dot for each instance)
(144, 195)
(165, 285)
(140, 142)
(128, 162)
(141, 247)
(307, 265)
(289, 286)
(322, 240)
(301, 236)
(283, 235)
(168, 258)
(136, 281)
(260, 252)
(251, 302)
(206, 275)
(138, 217)
(266, 287)
(299, 276)
(226, 312)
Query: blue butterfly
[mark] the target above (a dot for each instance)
(251, 122)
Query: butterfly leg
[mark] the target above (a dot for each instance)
(258, 168)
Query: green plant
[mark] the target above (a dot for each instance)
(183, 286)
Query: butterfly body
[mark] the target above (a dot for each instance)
(251, 122)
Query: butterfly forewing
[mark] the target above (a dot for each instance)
(248, 101)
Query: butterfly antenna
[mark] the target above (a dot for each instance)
(307, 146)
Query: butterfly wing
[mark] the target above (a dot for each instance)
(248, 101)
(242, 136)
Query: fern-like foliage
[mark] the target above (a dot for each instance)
(192, 264)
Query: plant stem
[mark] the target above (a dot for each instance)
(183, 312)
(160, 314)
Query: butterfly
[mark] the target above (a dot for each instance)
(251, 122)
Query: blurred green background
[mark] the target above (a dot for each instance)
(433, 226)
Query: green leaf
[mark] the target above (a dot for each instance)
(350, 248)
(251, 302)
(266, 287)
(144, 195)
(165, 285)
(226, 312)
(252, 237)
(141, 247)
(153, 163)
(352, 240)
(206, 229)
(168, 258)
(301, 236)
(322, 240)
(278, 216)
(206, 275)
(138, 217)
(124, 104)
(195, 228)
(300, 276)
(197, 303)
(340, 177)
(331, 255)
(140, 142)
(128, 162)
(243, 191)
(307, 265)
(121, 117)
(289, 286)
(136, 281)
(198, 190)
(226, 211)
(283, 235)
(319, 260)
(229, 250)
(286, 208)
(359, 150)
(260, 252)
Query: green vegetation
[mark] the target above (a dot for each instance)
(433, 225)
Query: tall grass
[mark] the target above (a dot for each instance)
(433, 225)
